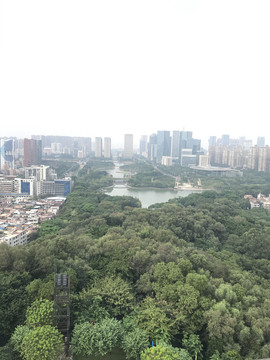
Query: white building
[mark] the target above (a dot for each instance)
(166, 160)
(19, 237)
(80, 154)
(98, 147)
(128, 146)
(107, 148)
(37, 172)
(56, 148)
(28, 186)
(204, 160)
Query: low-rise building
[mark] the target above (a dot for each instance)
(19, 219)
(260, 201)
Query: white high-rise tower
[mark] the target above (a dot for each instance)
(128, 146)
(98, 147)
(107, 148)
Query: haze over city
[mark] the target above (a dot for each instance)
(109, 68)
(134, 179)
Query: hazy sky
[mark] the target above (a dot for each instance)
(109, 67)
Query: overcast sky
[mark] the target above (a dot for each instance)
(109, 67)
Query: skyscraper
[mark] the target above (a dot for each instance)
(75, 148)
(32, 152)
(7, 154)
(225, 140)
(107, 148)
(152, 147)
(261, 141)
(212, 141)
(98, 147)
(176, 144)
(185, 140)
(264, 159)
(128, 146)
(143, 145)
(163, 144)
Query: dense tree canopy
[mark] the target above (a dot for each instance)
(193, 273)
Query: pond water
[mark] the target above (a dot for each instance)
(148, 196)
(116, 173)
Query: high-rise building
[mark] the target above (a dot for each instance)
(143, 146)
(188, 158)
(260, 141)
(56, 148)
(176, 144)
(247, 144)
(32, 152)
(195, 146)
(107, 148)
(185, 140)
(128, 146)
(225, 140)
(253, 158)
(75, 148)
(212, 141)
(152, 147)
(264, 159)
(98, 147)
(7, 154)
(163, 144)
(37, 172)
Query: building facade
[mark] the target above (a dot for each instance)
(7, 154)
(32, 152)
(128, 146)
(98, 147)
(163, 144)
(107, 148)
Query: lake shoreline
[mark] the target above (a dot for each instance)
(185, 188)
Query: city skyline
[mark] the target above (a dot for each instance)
(95, 72)
(114, 144)
(117, 142)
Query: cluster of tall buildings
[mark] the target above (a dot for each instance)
(180, 147)
(37, 180)
(22, 172)
(103, 149)
(77, 147)
(239, 153)
(165, 147)
(15, 153)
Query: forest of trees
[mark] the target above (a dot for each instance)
(145, 175)
(191, 276)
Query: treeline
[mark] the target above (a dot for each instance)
(252, 182)
(62, 167)
(145, 175)
(191, 275)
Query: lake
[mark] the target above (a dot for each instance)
(148, 196)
